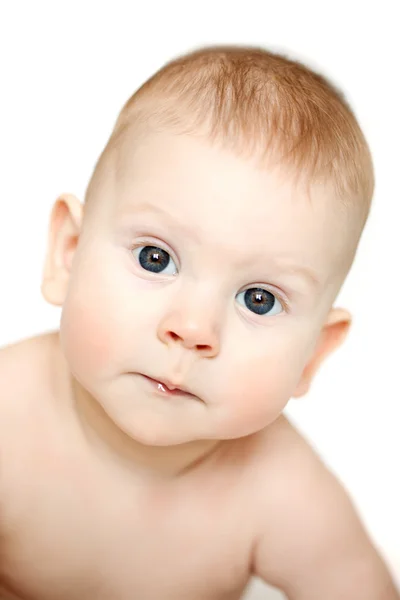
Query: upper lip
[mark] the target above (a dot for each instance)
(171, 385)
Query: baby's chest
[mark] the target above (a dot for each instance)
(82, 535)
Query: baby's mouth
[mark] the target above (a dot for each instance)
(166, 388)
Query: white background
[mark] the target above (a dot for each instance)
(66, 70)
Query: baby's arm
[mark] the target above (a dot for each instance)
(312, 544)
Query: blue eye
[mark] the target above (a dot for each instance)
(260, 301)
(155, 260)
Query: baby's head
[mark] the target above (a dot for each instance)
(218, 227)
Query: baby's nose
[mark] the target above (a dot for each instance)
(194, 332)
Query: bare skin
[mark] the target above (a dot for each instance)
(80, 522)
(112, 488)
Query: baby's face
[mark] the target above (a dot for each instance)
(198, 268)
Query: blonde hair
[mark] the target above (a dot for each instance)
(257, 102)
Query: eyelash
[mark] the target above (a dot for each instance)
(159, 245)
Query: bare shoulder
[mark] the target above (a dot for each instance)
(309, 540)
(23, 366)
(23, 379)
(20, 361)
(296, 483)
(15, 382)
(23, 376)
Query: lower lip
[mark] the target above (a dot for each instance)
(162, 389)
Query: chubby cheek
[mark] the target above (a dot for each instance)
(83, 341)
(91, 320)
(84, 334)
(258, 390)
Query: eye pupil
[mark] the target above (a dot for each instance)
(153, 259)
(259, 301)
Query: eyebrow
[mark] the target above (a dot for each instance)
(304, 273)
(145, 207)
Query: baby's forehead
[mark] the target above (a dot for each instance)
(186, 173)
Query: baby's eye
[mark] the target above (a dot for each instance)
(260, 301)
(155, 259)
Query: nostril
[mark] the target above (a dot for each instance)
(188, 343)
(174, 336)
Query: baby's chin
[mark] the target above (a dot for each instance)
(159, 422)
(148, 431)
(145, 414)
(178, 428)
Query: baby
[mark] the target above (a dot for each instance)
(143, 450)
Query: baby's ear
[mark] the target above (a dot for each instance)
(64, 229)
(332, 335)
